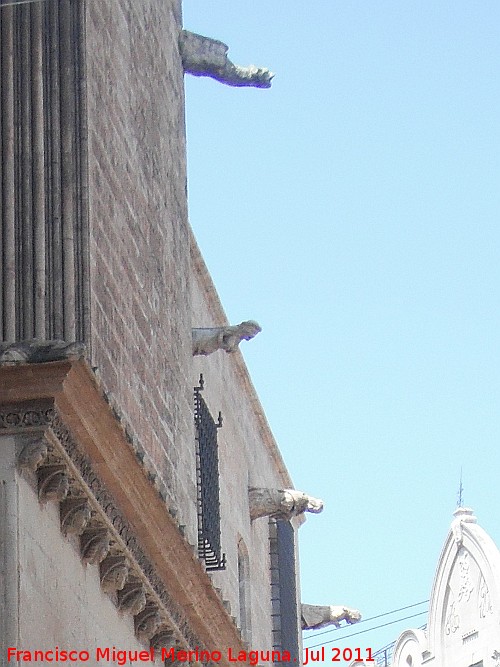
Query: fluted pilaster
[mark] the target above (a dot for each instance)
(43, 169)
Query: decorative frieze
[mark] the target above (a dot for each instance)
(64, 474)
(37, 403)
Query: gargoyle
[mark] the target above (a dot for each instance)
(315, 617)
(203, 56)
(38, 351)
(281, 503)
(206, 341)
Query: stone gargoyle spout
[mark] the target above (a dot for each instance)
(206, 341)
(203, 56)
(281, 503)
(315, 617)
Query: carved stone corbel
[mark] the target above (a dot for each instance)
(114, 571)
(281, 503)
(33, 454)
(210, 339)
(203, 56)
(162, 639)
(314, 617)
(94, 545)
(75, 514)
(53, 482)
(132, 598)
(148, 622)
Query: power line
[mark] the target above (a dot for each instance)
(372, 618)
(361, 632)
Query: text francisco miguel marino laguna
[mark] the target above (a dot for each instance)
(122, 657)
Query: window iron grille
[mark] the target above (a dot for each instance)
(207, 473)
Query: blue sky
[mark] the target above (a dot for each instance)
(353, 210)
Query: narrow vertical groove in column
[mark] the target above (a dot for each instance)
(8, 193)
(53, 122)
(83, 295)
(1, 189)
(25, 267)
(38, 171)
(67, 170)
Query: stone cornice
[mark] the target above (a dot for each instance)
(87, 444)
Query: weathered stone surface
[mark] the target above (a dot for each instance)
(39, 351)
(315, 617)
(114, 572)
(281, 503)
(140, 235)
(75, 515)
(211, 339)
(203, 56)
(33, 454)
(53, 482)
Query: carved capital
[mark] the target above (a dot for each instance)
(114, 571)
(203, 56)
(281, 503)
(94, 545)
(206, 341)
(75, 514)
(53, 482)
(132, 598)
(315, 617)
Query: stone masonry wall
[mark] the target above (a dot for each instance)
(248, 456)
(139, 245)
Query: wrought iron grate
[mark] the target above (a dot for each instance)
(207, 468)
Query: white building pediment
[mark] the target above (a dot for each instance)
(464, 613)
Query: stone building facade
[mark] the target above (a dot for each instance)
(463, 628)
(464, 611)
(125, 514)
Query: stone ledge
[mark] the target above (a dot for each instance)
(73, 412)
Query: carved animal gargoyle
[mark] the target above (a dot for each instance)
(281, 503)
(203, 56)
(206, 341)
(315, 617)
(39, 351)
